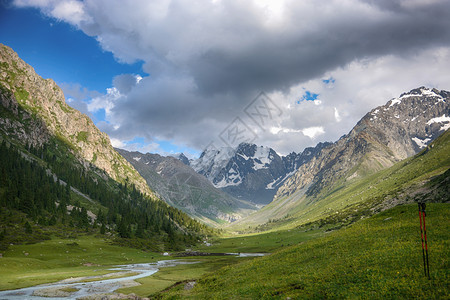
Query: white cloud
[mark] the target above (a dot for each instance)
(277, 130)
(337, 116)
(70, 11)
(117, 143)
(313, 132)
(143, 148)
(106, 102)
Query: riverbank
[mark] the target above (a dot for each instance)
(93, 287)
(58, 259)
(87, 259)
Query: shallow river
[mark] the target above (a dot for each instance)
(72, 288)
(61, 290)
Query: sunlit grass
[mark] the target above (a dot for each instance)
(57, 259)
(168, 276)
(379, 258)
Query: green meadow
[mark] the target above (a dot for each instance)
(376, 258)
(57, 259)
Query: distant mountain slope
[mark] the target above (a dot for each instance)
(250, 172)
(181, 187)
(49, 115)
(385, 135)
(423, 177)
(355, 169)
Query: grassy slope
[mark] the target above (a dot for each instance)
(379, 257)
(262, 243)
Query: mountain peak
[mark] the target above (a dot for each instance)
(385, 135)
(183, 158)
(249, 171)
(424, 91)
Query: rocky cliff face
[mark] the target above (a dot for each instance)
(250, 172)
(181, 187)
(43, 113)
(385, 135)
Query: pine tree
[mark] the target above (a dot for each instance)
(103, 228)
(123, 229)
(28, 228)
(140, 231)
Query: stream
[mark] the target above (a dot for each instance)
(74, 289)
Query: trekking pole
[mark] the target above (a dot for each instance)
(425, 236)
(423, 233)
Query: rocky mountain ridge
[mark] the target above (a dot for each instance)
(44, 114)
(181, 187)
(385, 135)
(250, 172)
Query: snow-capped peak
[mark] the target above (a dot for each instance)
(212, 160)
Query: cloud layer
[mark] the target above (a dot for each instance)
(208, 60)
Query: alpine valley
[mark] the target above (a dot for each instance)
(338, 220)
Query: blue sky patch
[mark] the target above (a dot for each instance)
(308, 96)
(99, 115)
(71, 52)
(329, 80)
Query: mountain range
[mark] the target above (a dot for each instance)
(223, 184)
(251, 172)
(384, 136)
(257, 174)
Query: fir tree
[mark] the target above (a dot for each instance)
(28, 228)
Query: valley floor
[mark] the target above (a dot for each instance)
(378, 257)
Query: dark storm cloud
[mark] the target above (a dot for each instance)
(279, 60)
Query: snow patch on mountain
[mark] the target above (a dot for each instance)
(212, 161)
(442, 119)
(421, 143)
(232, 178)
(272, 185)
(395, 101)
(262, 158)
(430, 93)
(445, 127)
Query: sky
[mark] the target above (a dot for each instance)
(175, 76)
